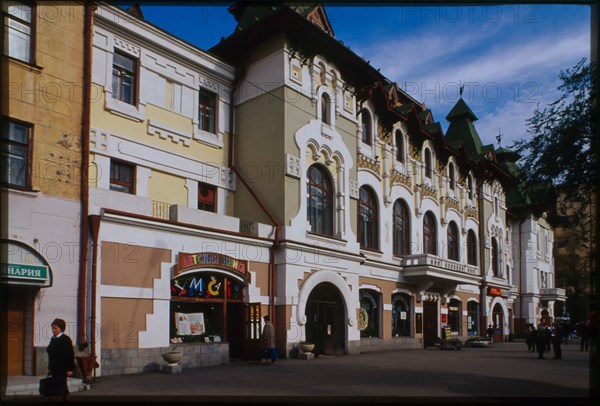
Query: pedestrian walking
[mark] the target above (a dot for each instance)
(530, 338)
(61, 358)
(267, 338)
(557, 338)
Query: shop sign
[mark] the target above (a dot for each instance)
(212, 260)
(37, 274)
(496, 292)
(207, 286)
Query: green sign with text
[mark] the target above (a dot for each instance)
(25, 271)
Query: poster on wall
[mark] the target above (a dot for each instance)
(190, 323)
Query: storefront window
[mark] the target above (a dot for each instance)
(401, 315)
(199, 305)
(472, 318)
(368, 320)
(454, 319)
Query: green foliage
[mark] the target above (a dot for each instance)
(562, 150)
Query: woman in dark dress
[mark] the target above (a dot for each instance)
(61, 356)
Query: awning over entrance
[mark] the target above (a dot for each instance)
(23, 265)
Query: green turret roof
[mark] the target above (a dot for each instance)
(461, 111)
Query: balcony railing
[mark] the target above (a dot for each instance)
(435, 261)
(161, 210)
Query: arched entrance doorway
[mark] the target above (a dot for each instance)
(325, 315)
(498, 323)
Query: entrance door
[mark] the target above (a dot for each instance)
(12, 349)
(325, 314)
(429, 323)
(235, 319)
(251, 336)
(498, 322)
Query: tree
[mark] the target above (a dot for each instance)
(562, 156)
(561, 151)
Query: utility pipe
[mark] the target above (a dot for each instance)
(84, 181)
(239, 75)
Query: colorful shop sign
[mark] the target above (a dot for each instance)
(205, 285)
(212, 260)
(497, 292)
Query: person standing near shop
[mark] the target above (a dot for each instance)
(61, 356)
(267, 339)
(557, 338)
(540, 342)
(490, 333)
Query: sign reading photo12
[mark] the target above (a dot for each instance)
(190, 323)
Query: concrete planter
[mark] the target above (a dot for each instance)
(304, 347)
(173, 357)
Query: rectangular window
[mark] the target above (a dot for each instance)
(18, 30)
(122, 177)
(207, 111)
(16, 153)
(124, 78)
(206, 197)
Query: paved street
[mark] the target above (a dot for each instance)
(505, 372)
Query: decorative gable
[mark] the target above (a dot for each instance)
(318, 16)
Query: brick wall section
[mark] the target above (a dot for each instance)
(123, 361)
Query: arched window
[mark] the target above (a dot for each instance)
(429, 234)
(495, 258)
(325, 109)
(366, 127)
(470, 187)
(471, 248)
(428, 163)
(451, 176)
(320, 201)
(367, 218)
(399, 146)
(453, 242)
(401, 229)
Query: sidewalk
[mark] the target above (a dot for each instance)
(505, 371)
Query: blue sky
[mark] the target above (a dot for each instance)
(508, 57)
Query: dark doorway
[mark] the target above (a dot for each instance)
(325, 315)
(235, 319)
(430, 331)
(498, 322)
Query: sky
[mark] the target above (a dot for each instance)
(508, 57)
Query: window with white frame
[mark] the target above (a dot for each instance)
(428, 164)
(124, 78)
(367, 127)
(19, 30)
(207, 111)
(451, 176)
(320, 201)
(399, 146)
(325, 108)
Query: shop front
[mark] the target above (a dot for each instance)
(24, 273)
(209, 303)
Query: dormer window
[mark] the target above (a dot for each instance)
(367, 129)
